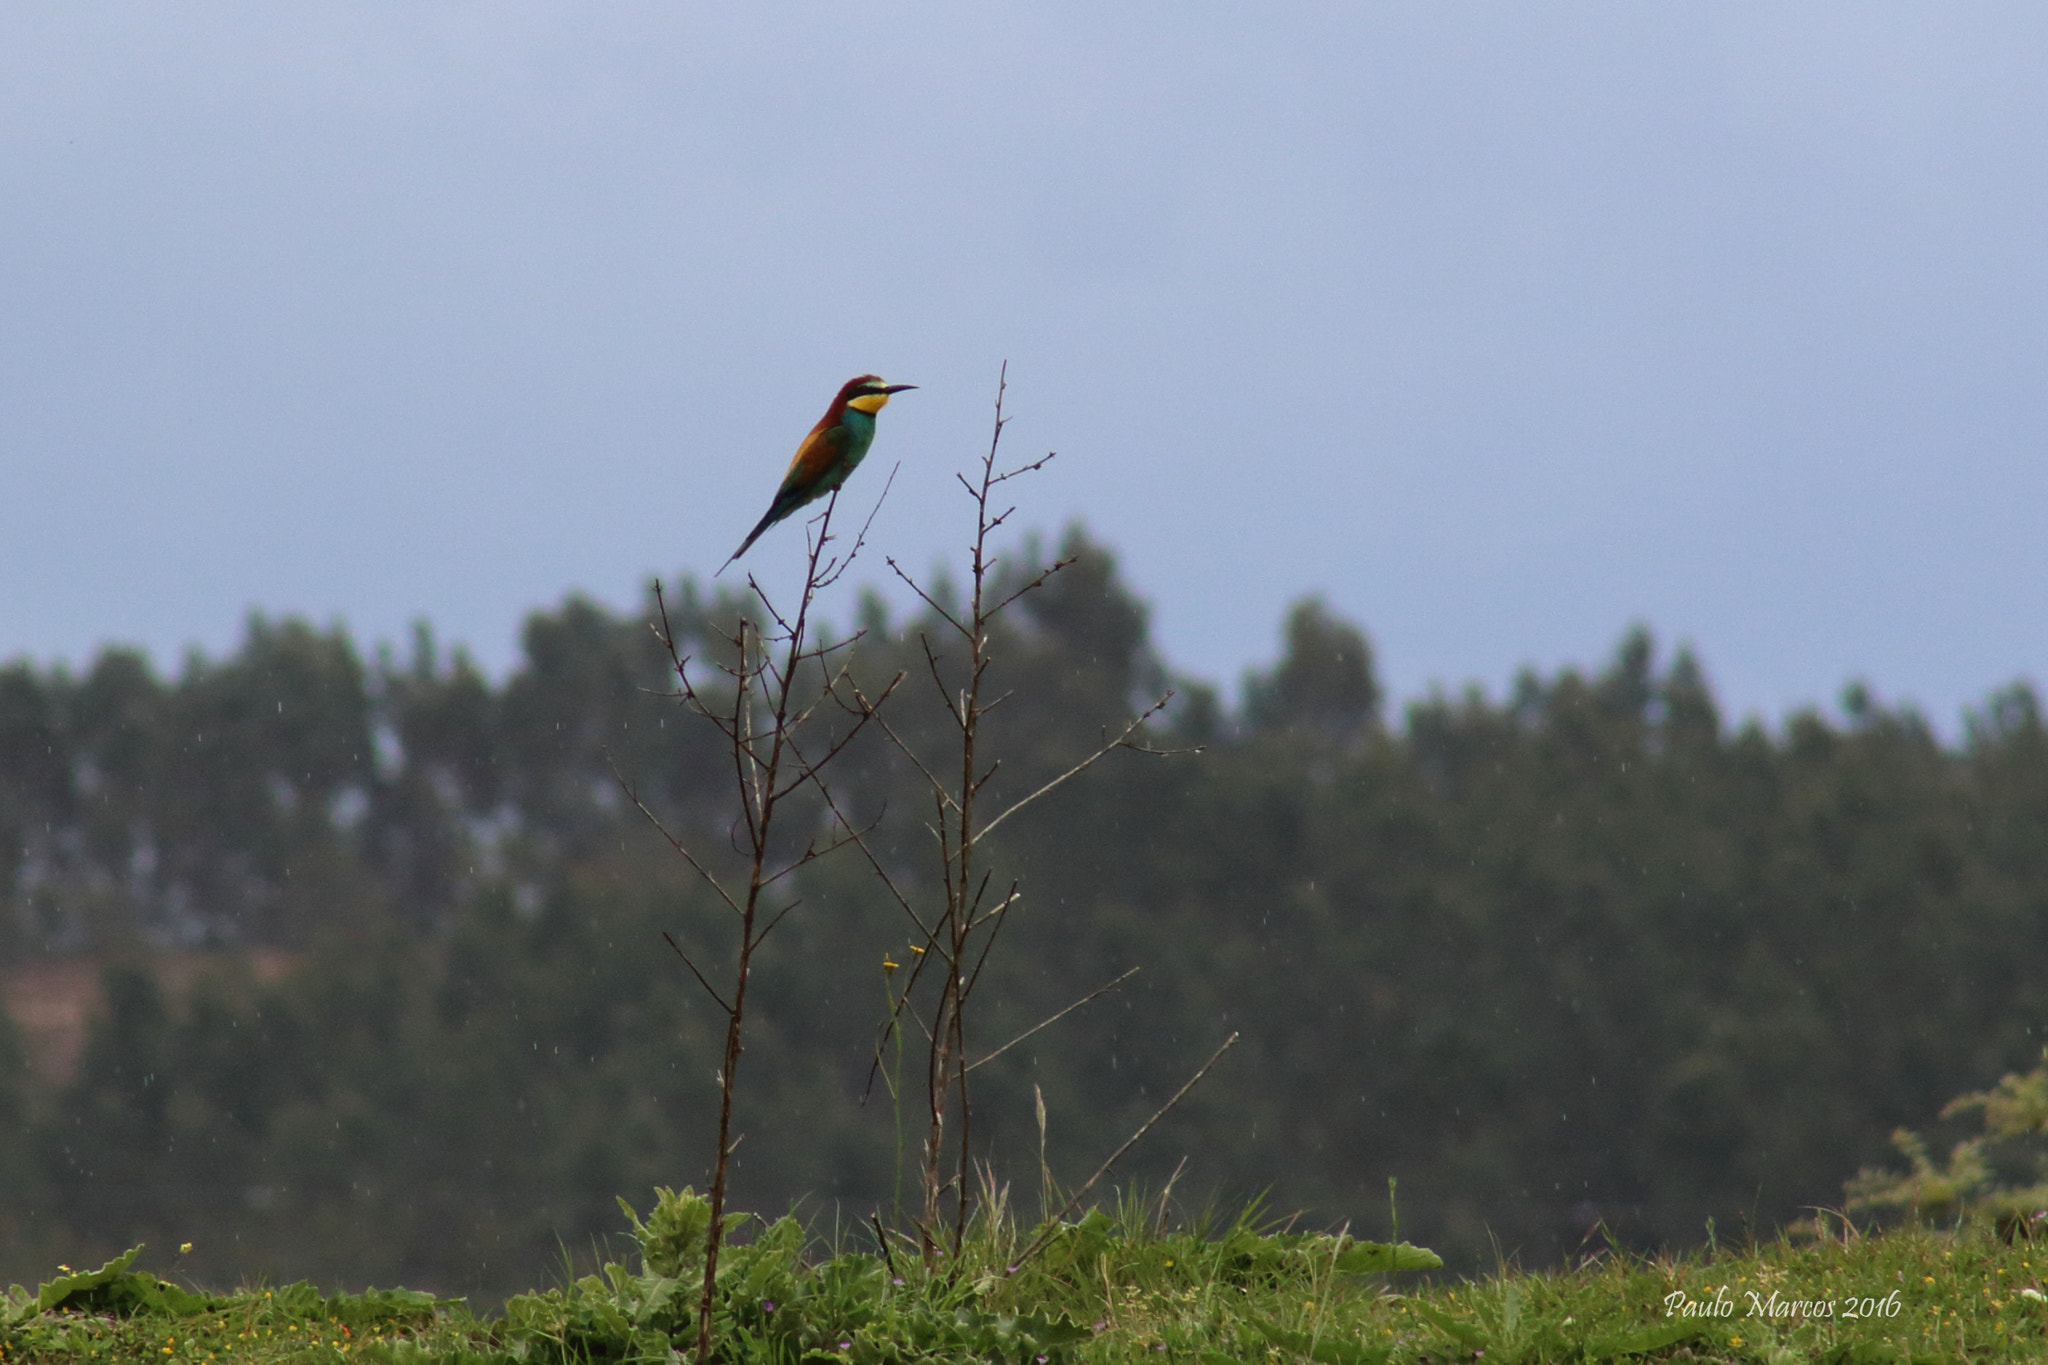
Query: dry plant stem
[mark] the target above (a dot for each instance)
(760, 815)
(1052, 1019)
(1045, 1234)
(947, 1057)
(955, 942)
(760, 727)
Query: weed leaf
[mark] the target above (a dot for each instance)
(1641, 1340)
(1370, 1258)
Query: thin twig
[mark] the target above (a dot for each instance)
(1081, 767)
(812, 852)
(929, 600)
(769, 928)
(841, 563)
(807, 771)
(1039, 581)
(931, 662)
(699, 975)
(1054, 1019)
(860, 842)
(1022, 469)
(1053, 1227)
(678, 845)
(882, 1240)
(988, 943)
(898, 740)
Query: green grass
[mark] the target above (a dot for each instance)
(1108, 1288)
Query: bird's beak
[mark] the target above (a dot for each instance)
(897, 388)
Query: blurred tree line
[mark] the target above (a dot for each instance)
(1584, 955)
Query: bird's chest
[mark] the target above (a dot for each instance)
(860, 432)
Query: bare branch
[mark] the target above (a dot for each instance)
(841, 563)
(673, 842)
(760, 594)
(905, 1007)
(899, 1005)
(931, 663)
(987, 773)
(1111, 747)
(812, 852)
(769, 928)
(666, 634)
(1167, 753)
(998, 908)
(694, 972)
(1050, 1020)
(1037, 582)
(1053, 1225)
(987, 944)
(929, 600)
(808, 771)
(1023, 469)
(859, 840)
(743, 758)
(826, 650)
(901, 744)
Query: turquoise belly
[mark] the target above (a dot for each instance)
(860, 434)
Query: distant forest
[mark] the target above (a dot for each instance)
(383, 996)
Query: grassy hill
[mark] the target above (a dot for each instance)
(1112, 1288)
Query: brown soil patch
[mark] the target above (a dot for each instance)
(53, 1000)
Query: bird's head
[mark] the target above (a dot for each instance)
(868, 393)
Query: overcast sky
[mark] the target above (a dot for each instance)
(1502, 325)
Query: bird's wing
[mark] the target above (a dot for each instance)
(820, 450)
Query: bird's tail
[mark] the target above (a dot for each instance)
(752, 536)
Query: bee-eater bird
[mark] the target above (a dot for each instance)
(833, 450)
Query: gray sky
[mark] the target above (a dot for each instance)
(1500, 325)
